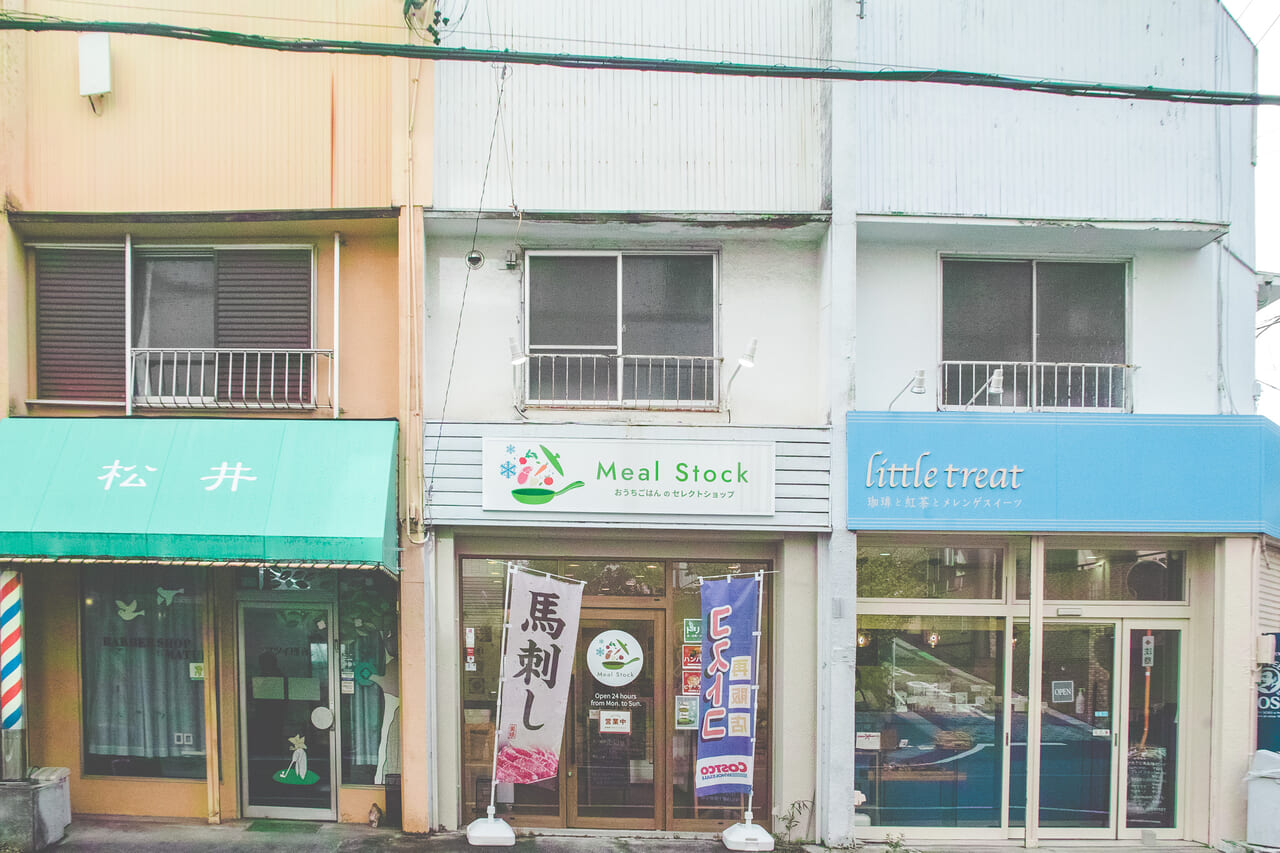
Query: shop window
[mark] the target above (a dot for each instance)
(901, 571)
(210, 327)
(1054, 331)
(143, 659)
(1085, 574)
(930, 721)
(622, 329)
(368, 636)
(687, 606)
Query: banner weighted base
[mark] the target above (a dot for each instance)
(490, 832)
(747, 836)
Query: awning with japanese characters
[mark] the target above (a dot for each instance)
(199, 489)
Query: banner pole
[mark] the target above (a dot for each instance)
(497, 714)
(745, 835)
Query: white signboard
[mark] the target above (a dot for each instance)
(628, 476)
(1148, 651)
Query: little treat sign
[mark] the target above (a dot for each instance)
(628, 476)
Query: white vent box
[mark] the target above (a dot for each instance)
(95, 64)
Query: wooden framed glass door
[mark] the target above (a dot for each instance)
(615, 772)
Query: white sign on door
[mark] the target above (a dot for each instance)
(1064, 691)
(1148, 651)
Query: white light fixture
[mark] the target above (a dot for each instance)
(993, 386)
(518, 356)
(747, 359)
(916, 384)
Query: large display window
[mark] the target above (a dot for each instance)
(995, 674)
(637, 775)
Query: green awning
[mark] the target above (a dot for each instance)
(199, 489)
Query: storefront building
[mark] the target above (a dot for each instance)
(1056, 629)
(638, 514)
(211, 616)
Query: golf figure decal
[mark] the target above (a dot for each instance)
(297, 773)
(536, 474)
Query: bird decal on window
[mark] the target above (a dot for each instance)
(129, 612)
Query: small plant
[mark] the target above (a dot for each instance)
(787, 820)
(894, 844)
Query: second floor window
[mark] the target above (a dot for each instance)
(207, 327)
(619, 328)
(1034, 334)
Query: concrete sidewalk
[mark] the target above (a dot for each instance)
(107, 835)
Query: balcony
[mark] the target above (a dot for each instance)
(599, 380)
(1035, 386)
(219, 378)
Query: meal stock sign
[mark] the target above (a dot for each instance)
(628, 476)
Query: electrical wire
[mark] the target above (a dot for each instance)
(462, 304)
(39, 23)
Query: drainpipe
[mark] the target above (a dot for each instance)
(337, 278)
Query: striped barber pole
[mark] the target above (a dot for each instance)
(11, 689)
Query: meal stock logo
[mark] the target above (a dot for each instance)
(536, 475)
(615, 658)
(717, 768)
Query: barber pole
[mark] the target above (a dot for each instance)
(11, 686)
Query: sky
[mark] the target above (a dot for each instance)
(1261, 20)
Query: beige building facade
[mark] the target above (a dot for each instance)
(224, 240)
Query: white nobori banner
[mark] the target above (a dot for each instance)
(628, 476)
(542, 634)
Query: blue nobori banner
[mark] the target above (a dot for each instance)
(730, 615)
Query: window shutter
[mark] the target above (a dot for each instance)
(264, 304)
(80, 334)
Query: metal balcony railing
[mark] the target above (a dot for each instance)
(1035, 386)
(578, 379)
(220, 378)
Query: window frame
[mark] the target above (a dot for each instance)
(620, 400)
(132, 249)
(1035, 259)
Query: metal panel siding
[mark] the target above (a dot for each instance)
(1269, 592)
(192, 126)
(609, 140)
(926, 148)
(80, 334)
(802, 472)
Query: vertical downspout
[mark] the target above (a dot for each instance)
(212, 747)
(333, 365)
(128, 324)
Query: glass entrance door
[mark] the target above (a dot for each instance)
(1109, 729)
(1152, 708)
(617, 710)
(287, 711)
(1078, 730)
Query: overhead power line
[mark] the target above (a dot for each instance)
(38, 23)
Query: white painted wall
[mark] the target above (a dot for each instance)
(925, 148)
(768, 290)
(627, 140)
(1173, 341)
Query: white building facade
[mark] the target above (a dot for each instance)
(987, 354)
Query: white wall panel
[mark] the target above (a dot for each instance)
(928, 148)
(614, 140)
(802, 476)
